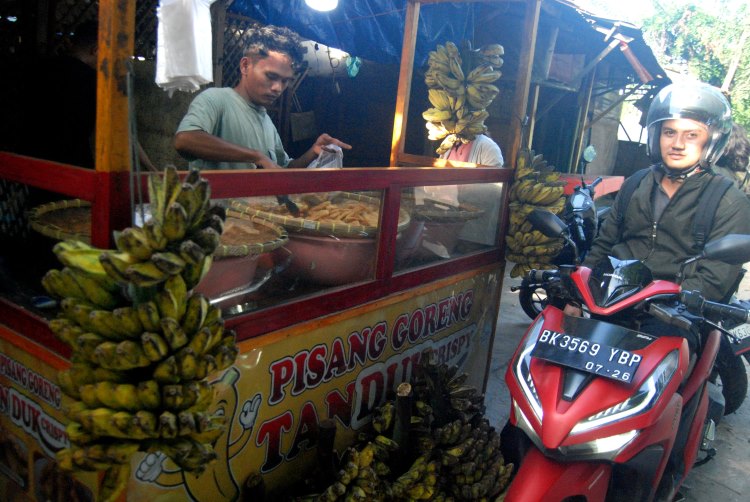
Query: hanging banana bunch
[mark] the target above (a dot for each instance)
(459, 87)
(535, 185)
(142, 342)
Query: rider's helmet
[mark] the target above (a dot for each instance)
(697, 101)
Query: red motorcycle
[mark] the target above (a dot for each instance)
(600, 410)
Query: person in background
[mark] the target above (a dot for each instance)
(735, 162)
(482, 231)
(229, 128)
(688, 129)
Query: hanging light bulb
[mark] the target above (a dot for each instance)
(322, 5)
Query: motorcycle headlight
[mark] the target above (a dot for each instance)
(643, 399)
(522, 368)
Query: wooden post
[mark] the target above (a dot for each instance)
(404, 79)
(523, 80)
(112, 153)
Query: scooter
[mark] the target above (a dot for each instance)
(599, 410)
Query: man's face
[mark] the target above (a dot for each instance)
(264, 80)
(681, 142)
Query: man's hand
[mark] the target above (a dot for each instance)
(266, 163)
(324, 140)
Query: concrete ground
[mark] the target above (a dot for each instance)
(726, 478)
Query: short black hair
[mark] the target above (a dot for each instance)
(737, 153)
(260, 40)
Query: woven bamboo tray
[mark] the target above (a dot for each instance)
(441, 212)
(254, 248)
(323, 227)
(63, 220)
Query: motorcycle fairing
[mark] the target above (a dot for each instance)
(655, 288)
(560, 416)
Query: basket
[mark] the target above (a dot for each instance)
(253, 248)
(234, 266)
(63, 220)
(318, 227)
(442, 212)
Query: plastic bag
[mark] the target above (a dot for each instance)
(329, 159)
(183, 57)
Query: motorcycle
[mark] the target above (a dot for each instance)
(582, 219)
(602, 411)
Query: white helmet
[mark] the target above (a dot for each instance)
(696, 101)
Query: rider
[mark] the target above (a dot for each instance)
(688, 128)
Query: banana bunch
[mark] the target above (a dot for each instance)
(143, 343)
(459, 88)
(535, 185)
(452, 452)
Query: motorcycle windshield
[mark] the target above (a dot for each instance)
(613, 280)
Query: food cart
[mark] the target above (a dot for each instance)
(313, 352)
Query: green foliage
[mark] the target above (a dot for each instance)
(702, 38)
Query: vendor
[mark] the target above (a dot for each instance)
(482, 231)
(228, 128)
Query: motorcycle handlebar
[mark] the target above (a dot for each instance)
(536, 276)
(698, 305)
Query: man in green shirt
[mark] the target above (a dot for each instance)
(228, 128)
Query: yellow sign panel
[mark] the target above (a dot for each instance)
(284, 384)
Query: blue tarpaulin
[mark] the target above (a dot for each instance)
(370, 29)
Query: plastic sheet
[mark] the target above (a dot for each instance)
(183, 52)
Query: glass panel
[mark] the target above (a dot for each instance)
(448, 221)
(331, 242)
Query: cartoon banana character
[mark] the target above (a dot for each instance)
(217, 481)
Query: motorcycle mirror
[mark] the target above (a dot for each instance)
(733, 248)
(547, 223)
(589, 153)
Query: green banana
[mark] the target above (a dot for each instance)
(196, 312)
(148, 314)
(154, 346)
(149, 394)
(145, 274)
(168, 262)
(175, 222)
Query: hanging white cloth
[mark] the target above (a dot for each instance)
(184, 45)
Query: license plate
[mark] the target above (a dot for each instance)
(590, 356)
(742, 334)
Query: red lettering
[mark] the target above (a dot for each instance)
(337, 363)
(358, 347)
(340, 407)
(416, 325)
(378, 340)
(455, 308)
(466, 304)
(400, 330)
(299, 371)
(371, 392)
(443, 313)
(307, 431)
(430, 319)
(316, 365)
(282, 372)
(270, 432)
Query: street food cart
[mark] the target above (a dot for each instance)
(309, 350)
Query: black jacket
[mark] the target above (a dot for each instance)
(662, 245)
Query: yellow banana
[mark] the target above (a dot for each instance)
(167, 425)
(175, 222)
(116, 265)
(168, 262)
(99, 290)
(155, 348)
(65, 330)
(131, 355)
(133, 240)
(155, 235)
(103, 322)
(456, 70)
(148, 314)
(145, 274)
(188, 363)
(126, 397)
(167, 371)
(149, 394)
(128, 321)
(191, 252)
(196, 311)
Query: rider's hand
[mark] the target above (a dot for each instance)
(573, 310)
